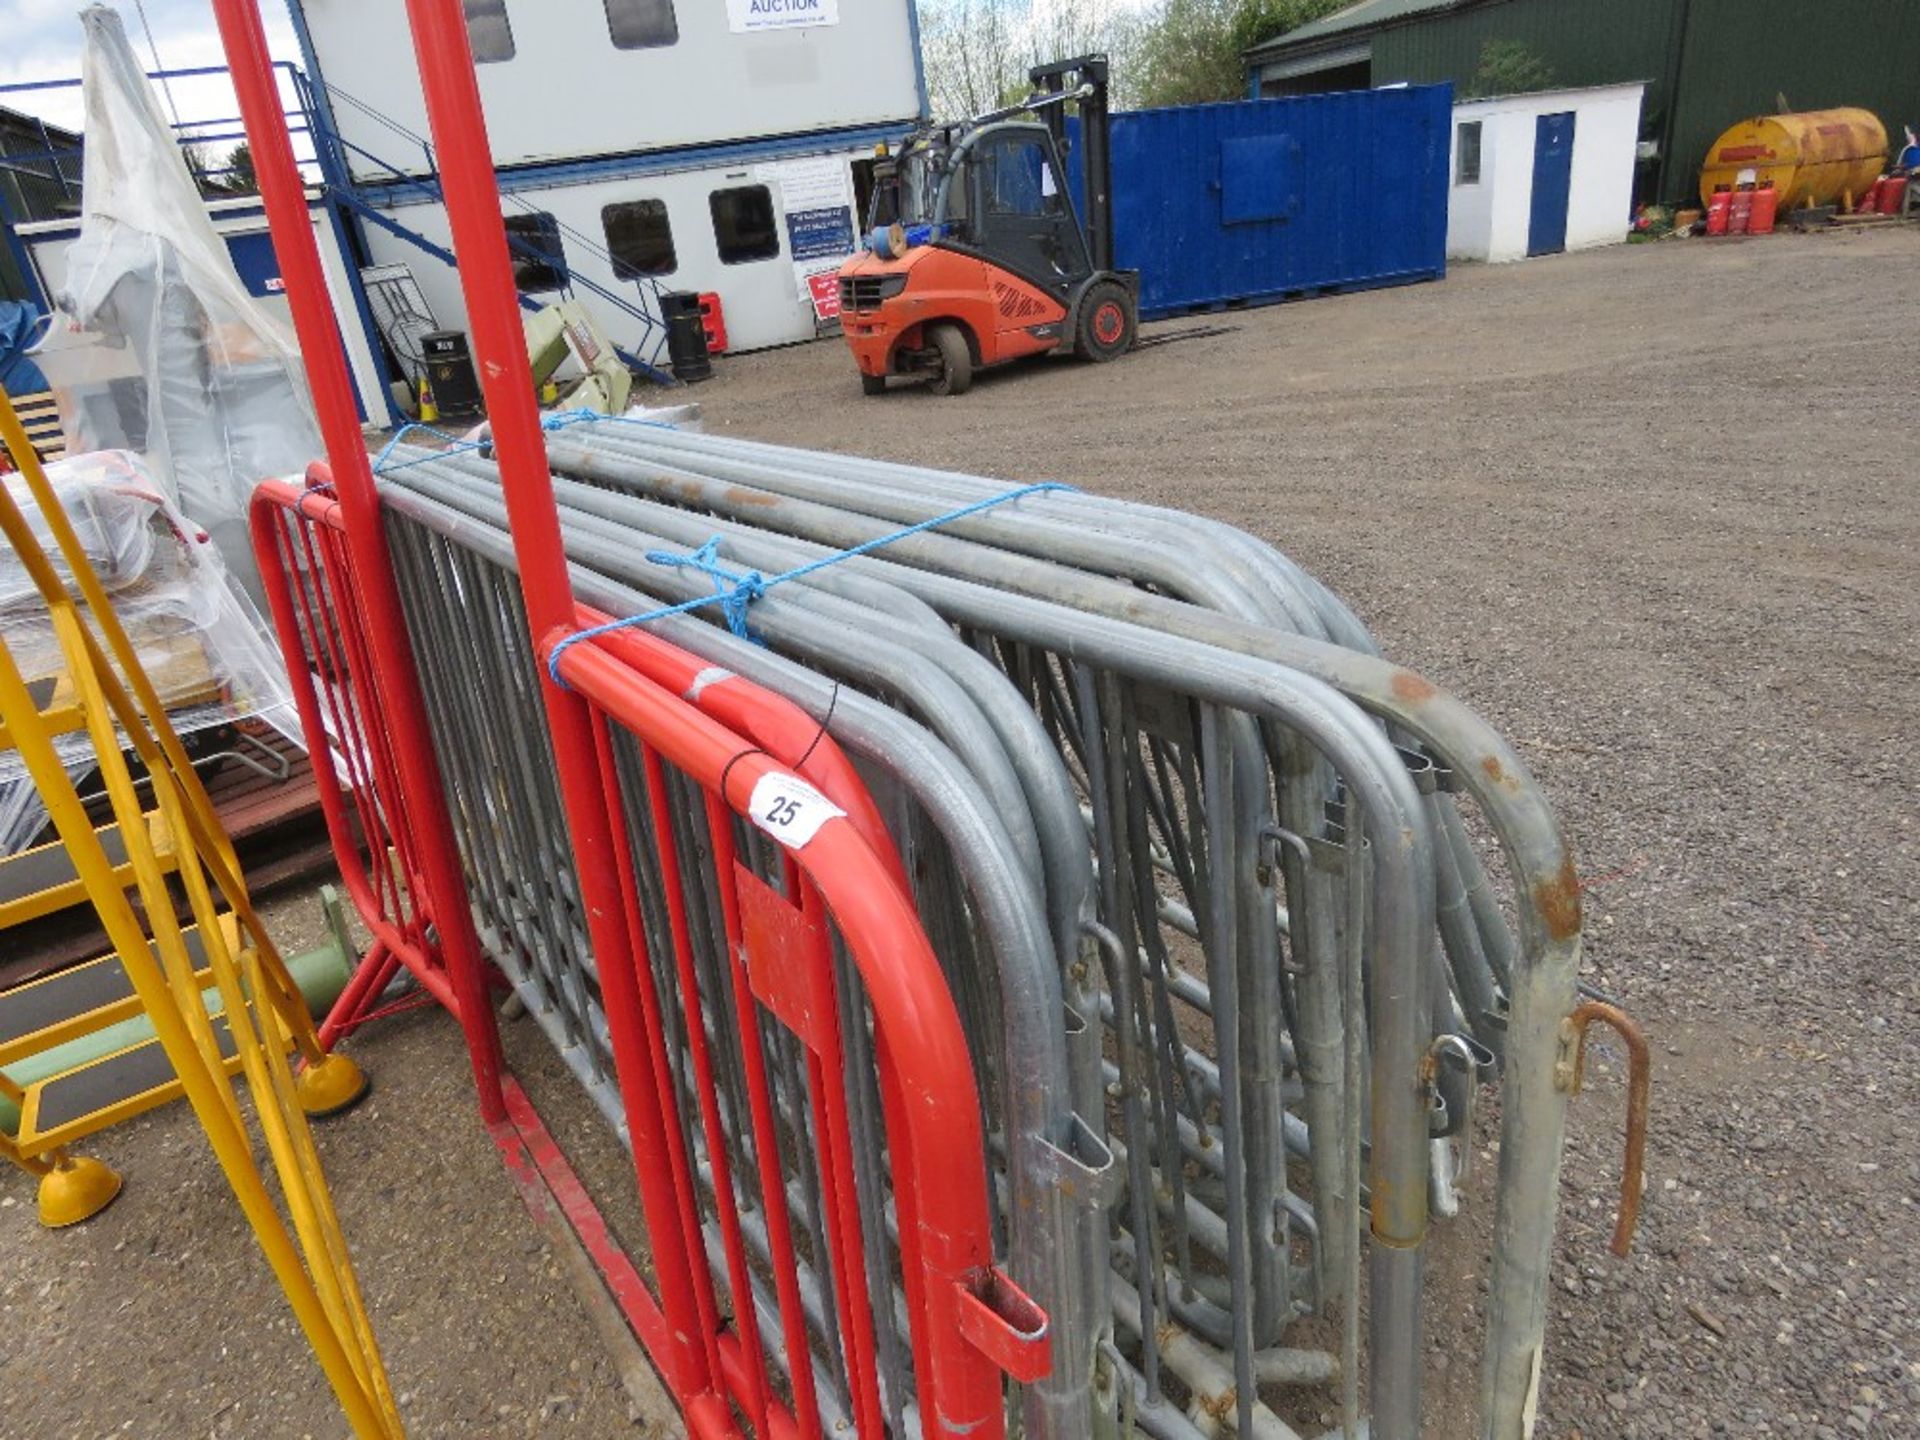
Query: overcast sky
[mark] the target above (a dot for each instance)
(40, 40)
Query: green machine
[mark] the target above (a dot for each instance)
(565, 330)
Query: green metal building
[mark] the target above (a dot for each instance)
(1708, 63)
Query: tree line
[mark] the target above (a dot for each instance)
(1165, 52)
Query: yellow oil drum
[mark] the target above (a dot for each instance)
(1813, 158)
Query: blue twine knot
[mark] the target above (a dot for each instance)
(733, 590)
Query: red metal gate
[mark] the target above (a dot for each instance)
(814, 934)
(301, 546)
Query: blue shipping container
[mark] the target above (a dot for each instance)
(1260, 200)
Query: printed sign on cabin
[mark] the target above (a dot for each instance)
(746, 16)
(827, 230)
(816, 200)
(825, 290)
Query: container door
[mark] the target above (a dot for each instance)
(1552, 183)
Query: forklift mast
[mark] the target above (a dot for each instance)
(1087, 75)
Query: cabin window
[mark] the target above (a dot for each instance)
(743, 224)
(641, 24)
(488, 32)
(1466, 165)
(639, 238)
(539, 259)
(1017, 178)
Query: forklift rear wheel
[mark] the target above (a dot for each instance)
(956, 361)
(873, 384)
(1106, 322)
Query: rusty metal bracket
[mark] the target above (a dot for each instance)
(1003, 1322)
(1568, 1076)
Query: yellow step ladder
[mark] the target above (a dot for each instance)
(262, 1017)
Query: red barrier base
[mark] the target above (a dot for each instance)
(555, 1197)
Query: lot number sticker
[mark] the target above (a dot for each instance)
(789, 809)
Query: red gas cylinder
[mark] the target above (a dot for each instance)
(1873, 200)
(713, 321)
(1892, 189)
(1719, 208)
(1741, 212)
(1766, 204)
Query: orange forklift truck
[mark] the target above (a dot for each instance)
(975, 255)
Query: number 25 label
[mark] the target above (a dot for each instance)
(789, 809)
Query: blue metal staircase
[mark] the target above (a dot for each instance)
(363, 202)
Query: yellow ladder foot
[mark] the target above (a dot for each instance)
(76, 1188)
(333, 1085)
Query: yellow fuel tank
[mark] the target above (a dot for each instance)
(1813, 158)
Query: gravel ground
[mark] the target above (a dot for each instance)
(159, 1320)
(1647, 509)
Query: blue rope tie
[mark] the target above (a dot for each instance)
(559, 420)
(735, 591)
(415, 427)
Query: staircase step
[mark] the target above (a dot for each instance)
(76, 1103)
(40, 418)
(37, 1016)
(43, 880)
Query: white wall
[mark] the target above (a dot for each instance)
(1489, 220)
(760, 300)
(567, 93)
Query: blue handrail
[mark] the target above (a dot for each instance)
(653, 324)
(306, 117)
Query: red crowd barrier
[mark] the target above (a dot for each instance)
(676, 1011)
(300, 543)
(966, 1320)
(387, 653)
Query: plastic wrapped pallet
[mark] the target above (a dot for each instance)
(200, 639)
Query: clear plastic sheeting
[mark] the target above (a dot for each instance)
(182, 365)
(199, 637)
(110, 501)
(22, 816)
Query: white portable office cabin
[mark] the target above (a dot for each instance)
(690, 145)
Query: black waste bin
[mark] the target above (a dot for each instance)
(456, 389)
(686, 336)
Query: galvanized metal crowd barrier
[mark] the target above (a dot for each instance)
(914, 870)
(1235, 1014)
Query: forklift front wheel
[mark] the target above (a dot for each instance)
(1106, 322)
(873, 384)
(956, 361)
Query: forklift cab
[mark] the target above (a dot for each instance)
(1001, 192)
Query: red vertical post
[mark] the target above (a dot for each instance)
(283, 194)
(471, 192)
